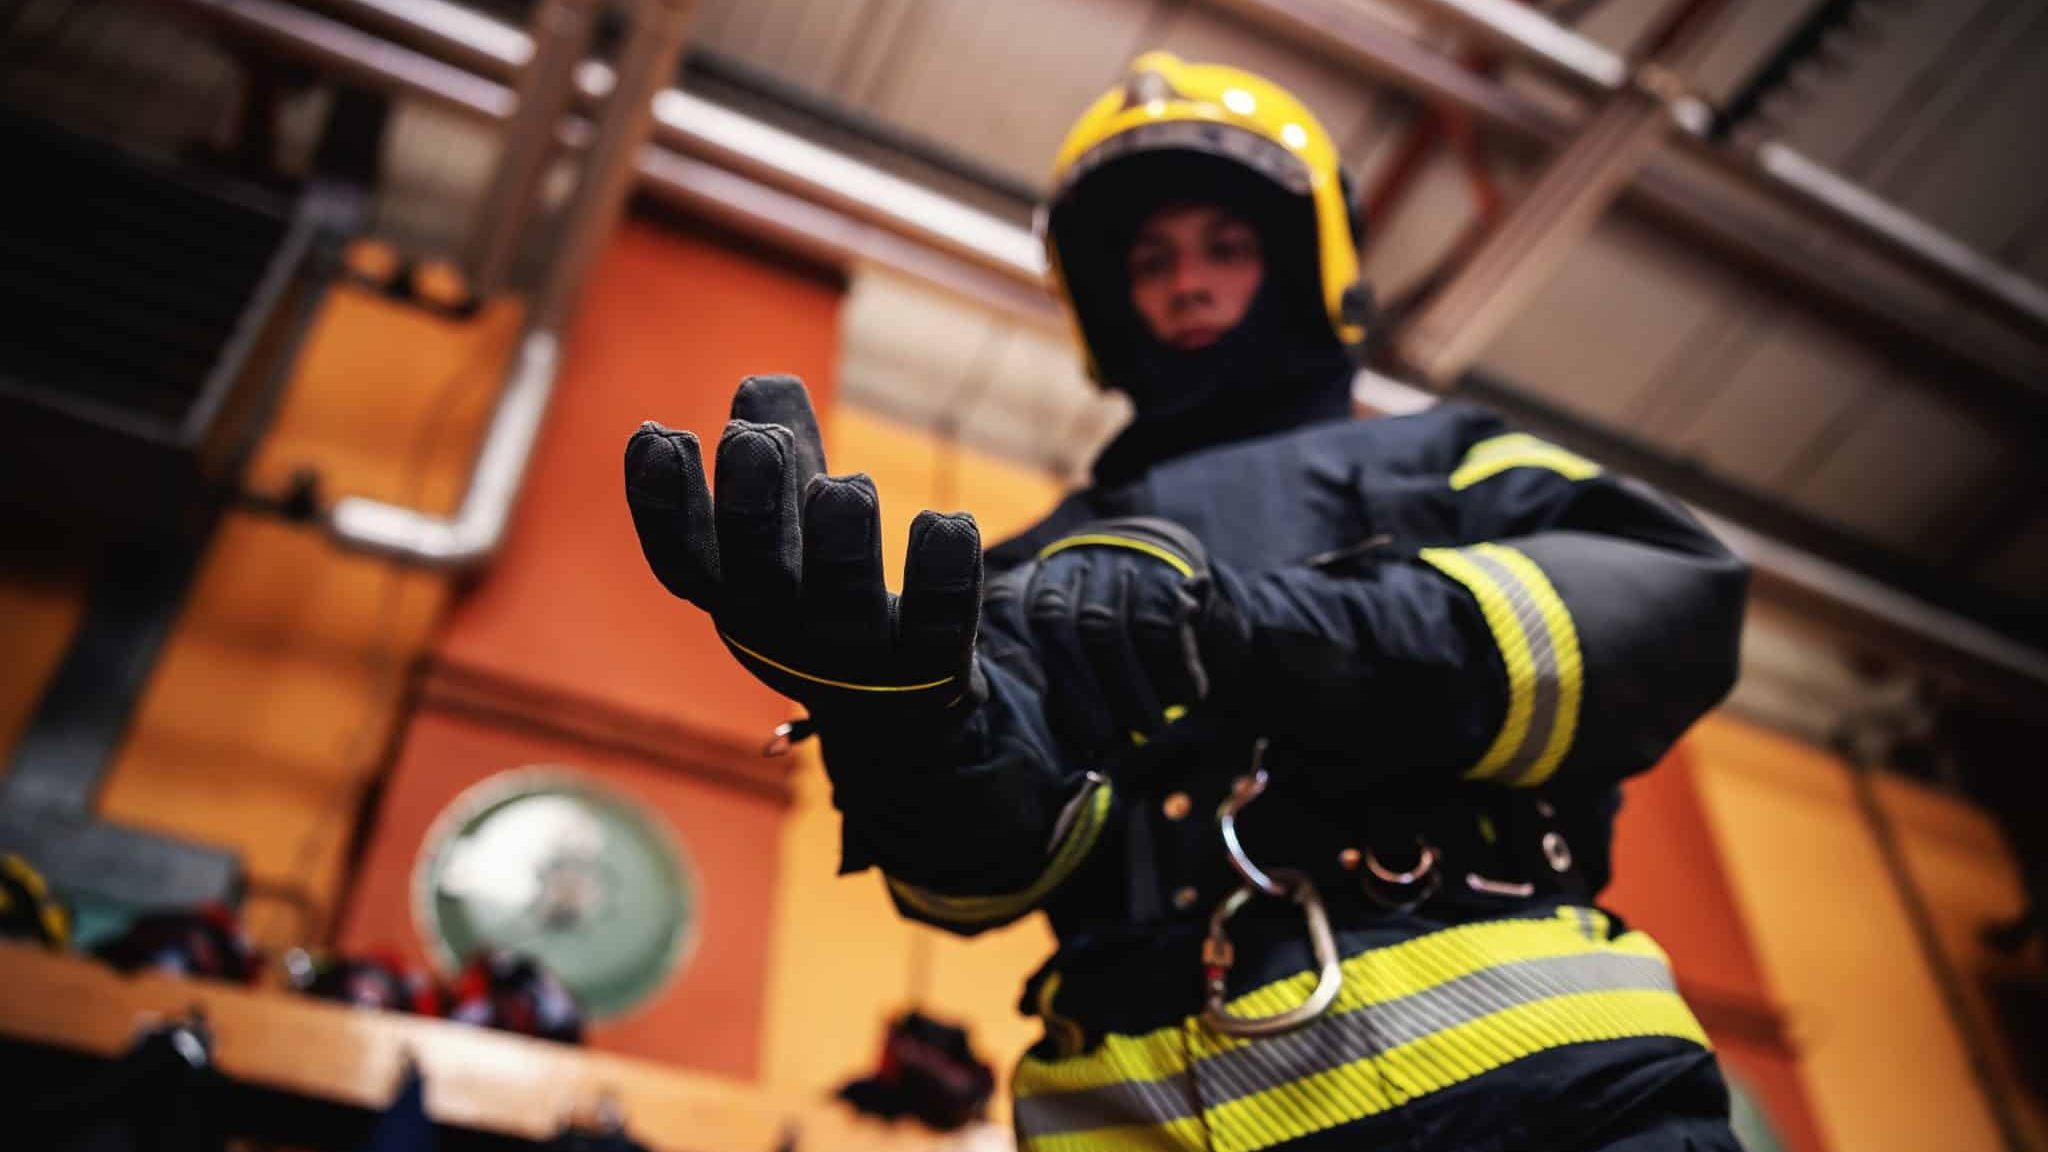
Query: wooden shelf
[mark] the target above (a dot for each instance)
(478, 1079)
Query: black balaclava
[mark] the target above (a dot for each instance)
(1280, 367)
(1261, 377)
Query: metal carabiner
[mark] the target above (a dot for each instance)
(1243, 791)
(1218, 956)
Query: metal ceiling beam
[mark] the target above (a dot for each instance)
(1669, 190)
(1520, 254)
(366, 56)
(1523, 251)
(460, 35)
(723, 73)
(561, 35)
(1788, 177)
(694, 125)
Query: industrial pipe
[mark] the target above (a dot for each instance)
(473, 534)
(476, 529)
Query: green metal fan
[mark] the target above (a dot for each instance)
(554, 864)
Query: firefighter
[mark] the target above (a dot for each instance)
(1304, 731)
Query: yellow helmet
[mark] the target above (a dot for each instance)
(1198, 122)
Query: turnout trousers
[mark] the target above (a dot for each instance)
(1554, 1030)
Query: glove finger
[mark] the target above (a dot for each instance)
(1074, 697)
(783, 400)
(845, 602)
(1105, 628)
(759, 544)
(672, 511)
(940, 608)
(1165, 639)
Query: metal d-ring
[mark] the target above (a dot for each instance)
(1424, 877)
(1218, 955)
(1243, 791)
(1282, 883)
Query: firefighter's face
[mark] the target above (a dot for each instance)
(1194, 269)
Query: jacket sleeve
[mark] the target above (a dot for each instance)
(978, 823)
(1568, 633)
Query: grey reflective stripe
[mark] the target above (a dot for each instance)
(1336, 1041)
(1113, 1105)
(1587, 928)
(1543, 713)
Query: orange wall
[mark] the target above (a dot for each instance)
(567, 651)
(1883, 1064)
(666, 327)
(1670, 880)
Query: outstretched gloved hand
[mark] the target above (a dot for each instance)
(788, 562)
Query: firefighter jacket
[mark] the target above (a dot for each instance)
(1468, 637)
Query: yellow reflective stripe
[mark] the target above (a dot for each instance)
(1375, 977)
(1119, 1059)
(1073, 849)
(1571, 668)
(802, 675)
(1182, 1135)
(1539, 649)
(1414, 1018)
(1412, 966)
(1378, 1083)
(1491, 457)
(1105, 540)
(1514, 653)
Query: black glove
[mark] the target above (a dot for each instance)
(1125, 619)
(789, 565)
